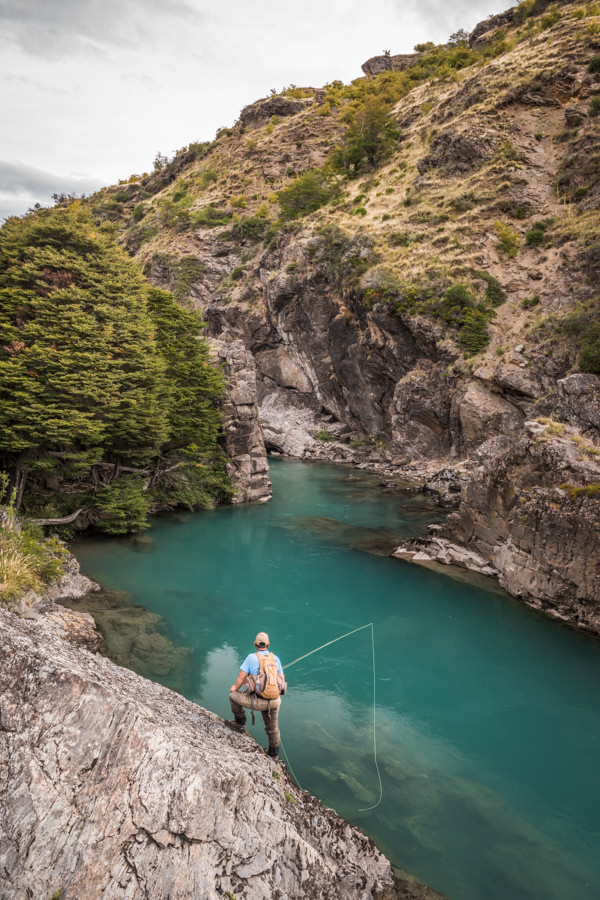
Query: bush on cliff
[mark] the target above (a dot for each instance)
(305, 194)
(369, 139)
(583, 327)
(101, 375)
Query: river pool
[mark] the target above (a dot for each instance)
(487, 714)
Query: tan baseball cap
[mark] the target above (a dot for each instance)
(262, 638)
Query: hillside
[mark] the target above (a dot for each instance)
(433, 228)
(412, 260)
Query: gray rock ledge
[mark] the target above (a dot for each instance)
(113, 786)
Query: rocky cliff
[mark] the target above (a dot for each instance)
(113, 786)
(529, 514)
(403, 314)
(247, 465)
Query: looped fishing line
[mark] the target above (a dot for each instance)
(322, 647)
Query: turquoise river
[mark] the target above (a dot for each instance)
(487, 714)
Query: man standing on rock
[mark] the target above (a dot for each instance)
(262, 674)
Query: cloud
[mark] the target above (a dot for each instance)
(86, 27)
(435, 16)
(22, 185)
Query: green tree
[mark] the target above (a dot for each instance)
(369, 139)
(304, 195)
(92, 383)
(79, 368)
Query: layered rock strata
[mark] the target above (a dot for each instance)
(248, 466)
(114, 786)
(530, 514)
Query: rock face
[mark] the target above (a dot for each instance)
(324, 361)
(358, 356)
(378, 64)
(455, 153)
(78, 627)
(113, 786)
(244, 443)
(260, 112)
(531, 510)
(477, 36)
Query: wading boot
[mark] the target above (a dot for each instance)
(238, 725)
(273, 752)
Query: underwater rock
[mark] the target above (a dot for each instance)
(378, 541)
(132, 637)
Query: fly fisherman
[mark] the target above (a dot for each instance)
(262, 674)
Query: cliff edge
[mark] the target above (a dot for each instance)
(113, 786)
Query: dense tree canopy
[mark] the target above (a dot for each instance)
(106, 393)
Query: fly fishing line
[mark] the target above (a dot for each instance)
(322, 647)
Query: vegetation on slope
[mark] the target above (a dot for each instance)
(107, 400)
(436, 166)
(28, 561)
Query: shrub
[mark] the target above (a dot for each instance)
(509, 240)
(473, 335)
(324, 435)
(594, 107)
(186, 272)
(369, 138)
(305, 195)
(342, 258)
(398, 239)
(550, 19)
(530, 302)
(583, 327)
(27, 561)
(123, 506)
(238, 202)
(209, 217)
(253, 228)
(494, 293)
(454, 300)
(139, 212)
(208, 177)
(180, 192)
(588, 490)
(536, 234)
(594, 64)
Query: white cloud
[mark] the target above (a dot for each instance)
(82, 26)
(21, 186)
(102, 85)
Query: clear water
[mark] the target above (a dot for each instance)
(488, 715)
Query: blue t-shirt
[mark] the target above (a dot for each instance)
(251, 665)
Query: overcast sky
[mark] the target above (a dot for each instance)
(93, 89)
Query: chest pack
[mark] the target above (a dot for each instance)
(268, 684)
